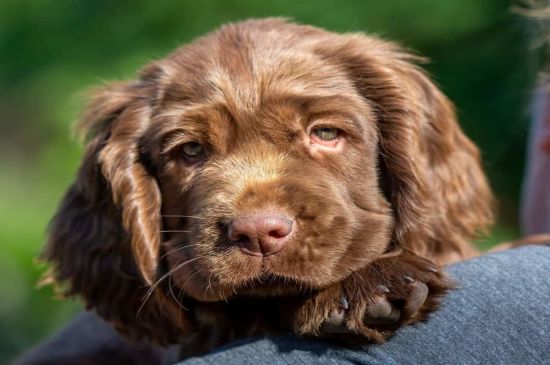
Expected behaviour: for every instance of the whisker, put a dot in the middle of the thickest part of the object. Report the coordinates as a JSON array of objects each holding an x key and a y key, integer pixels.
[
  {"x": 174, "y": 231},
  {"x": 181, "y": 292},
  {"x": 209, "y": 286},
  {"x": 156, "y": 284},
  {"x": 177, "y": 249},
  {"x": 190, "y": 277},
  {"x": 176, "y": 268},
  {"x": 173, "y": 295}
]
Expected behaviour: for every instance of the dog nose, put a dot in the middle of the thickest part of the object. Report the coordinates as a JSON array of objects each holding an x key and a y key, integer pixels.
[{"x": 260, "y": 234}]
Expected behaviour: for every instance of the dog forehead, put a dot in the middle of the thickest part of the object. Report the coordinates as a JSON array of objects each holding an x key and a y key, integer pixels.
[{"x": 243, "y": 68}]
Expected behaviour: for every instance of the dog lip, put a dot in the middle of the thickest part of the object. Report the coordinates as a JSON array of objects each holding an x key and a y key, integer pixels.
[
  {"x": 257, "y": 254},
  {"x": 248, "y": 252}
]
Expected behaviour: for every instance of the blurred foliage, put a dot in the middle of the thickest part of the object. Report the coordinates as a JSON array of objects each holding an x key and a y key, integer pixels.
[{"x": 51, "y": 51}]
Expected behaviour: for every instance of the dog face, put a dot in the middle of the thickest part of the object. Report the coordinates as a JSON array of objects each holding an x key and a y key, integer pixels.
[
  {"x": 268, "y": 174},
  {"x": 263, "y": 159}
]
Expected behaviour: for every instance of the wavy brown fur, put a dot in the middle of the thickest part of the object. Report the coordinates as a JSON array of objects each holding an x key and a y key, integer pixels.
[{"x": 410, "y": 181}]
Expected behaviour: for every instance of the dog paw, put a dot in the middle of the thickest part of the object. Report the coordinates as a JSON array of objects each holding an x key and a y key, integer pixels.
[{"x": 375, "y": 301}]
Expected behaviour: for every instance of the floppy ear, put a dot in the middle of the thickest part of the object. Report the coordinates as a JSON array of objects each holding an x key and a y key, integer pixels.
[
  {"x": 104, "y": 239},
  {"x": 133, "y": 189},
  {"x": 430, "y": 171}
]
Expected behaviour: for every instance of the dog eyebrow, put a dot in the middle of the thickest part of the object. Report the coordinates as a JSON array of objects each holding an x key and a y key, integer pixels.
[
  {"x": 336, "y": 119},
  {"x": 325, "y": 113},
  {"x": 342, "y": 110},
  {"x": 169, "y": 129}
]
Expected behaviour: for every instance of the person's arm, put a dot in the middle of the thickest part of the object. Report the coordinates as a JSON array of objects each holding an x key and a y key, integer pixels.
[{"x": 535, "y": 214}]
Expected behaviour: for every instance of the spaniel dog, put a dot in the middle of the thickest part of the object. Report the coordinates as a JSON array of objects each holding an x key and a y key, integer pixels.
[{"x": 269, "y": 177}]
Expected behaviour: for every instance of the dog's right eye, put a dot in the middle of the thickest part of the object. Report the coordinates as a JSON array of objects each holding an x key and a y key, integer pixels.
[
  {"x": 326, "y": 136},
  {"x": 192, "y": 151}
]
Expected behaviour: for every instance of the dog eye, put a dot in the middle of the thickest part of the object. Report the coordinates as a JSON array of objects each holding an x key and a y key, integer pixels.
[
  {"x": 327, "y": 134},
  {"x": 192, "y": 150}
]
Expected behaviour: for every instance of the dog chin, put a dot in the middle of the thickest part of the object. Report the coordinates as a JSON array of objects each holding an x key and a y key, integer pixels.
[{"x": 263, "y": 286}]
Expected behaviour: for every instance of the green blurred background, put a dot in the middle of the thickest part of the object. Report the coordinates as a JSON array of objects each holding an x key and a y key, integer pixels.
[{"x": 52, "y": 51}]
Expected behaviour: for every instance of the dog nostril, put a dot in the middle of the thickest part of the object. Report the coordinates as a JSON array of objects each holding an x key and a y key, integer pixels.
[
  {"x": 242, "y": 238},
  {"x": 277, "y": 234}
]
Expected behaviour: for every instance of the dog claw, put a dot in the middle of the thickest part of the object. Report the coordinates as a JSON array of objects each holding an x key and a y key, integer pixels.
[
  {"x": 418, "y": 296},
  {"x": 382, "y": 312},
  {"x": 335, "y": 324},
  {"x": 336, "y": 317},
  {"x": 344, "y": 303}
]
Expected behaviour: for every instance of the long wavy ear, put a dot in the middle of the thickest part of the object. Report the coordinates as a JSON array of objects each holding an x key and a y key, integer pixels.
[
  {"x": 133, "y": 188},
  {"x": 431, "y": 172},
  {"x": 104, "y": 239}
]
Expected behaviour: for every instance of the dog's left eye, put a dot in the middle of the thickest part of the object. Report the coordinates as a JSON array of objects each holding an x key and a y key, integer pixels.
[
  {"x": 326, "y": 137},
  {"x": 192, "y": 150},
  {"x": 326, "y": 134}
]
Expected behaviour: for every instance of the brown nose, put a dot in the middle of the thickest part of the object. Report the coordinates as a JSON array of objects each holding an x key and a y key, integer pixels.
[{"x": 260, "y": 234}]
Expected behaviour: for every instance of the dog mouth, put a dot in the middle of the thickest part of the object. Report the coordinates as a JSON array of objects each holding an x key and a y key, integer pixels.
[
  {"x": 270, "y": 285},
  {"x": 265, "y": 286},
  {"x": 261, "y": 280}
]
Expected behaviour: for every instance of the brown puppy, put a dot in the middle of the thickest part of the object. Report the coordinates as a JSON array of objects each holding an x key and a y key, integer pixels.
[{"x": 269, "y": 176}]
